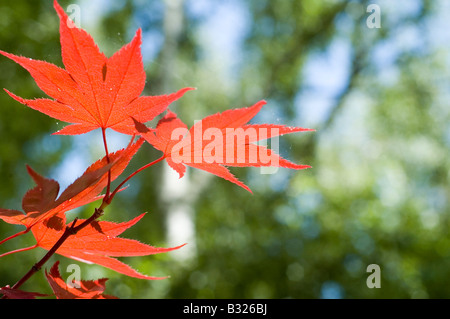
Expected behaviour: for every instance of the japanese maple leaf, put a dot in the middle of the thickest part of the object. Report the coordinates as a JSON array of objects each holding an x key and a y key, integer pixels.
[
  {"x": 96, "y": 243},
  {"x": 219, "y": 140},
  {"x": 83, "y": 289},
  {"x": 43, "y": 202},
  {"x": 19, "y": 294},
  {"x": 93, "y": 91}
]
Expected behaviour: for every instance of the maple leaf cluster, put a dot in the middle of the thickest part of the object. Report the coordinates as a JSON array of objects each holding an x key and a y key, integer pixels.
[{"x": 96, "y": 92}]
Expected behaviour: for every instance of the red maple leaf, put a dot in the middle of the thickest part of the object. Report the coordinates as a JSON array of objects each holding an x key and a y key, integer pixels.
[
  {"x": 19, "y": 294},
  {"x": 219, "y": 140},
  {"x": 96, "y": 243},
  {"x": 93, "y": 91},
  {"x": 83, "y": 289},
  {"x": 41, "y": 202}
]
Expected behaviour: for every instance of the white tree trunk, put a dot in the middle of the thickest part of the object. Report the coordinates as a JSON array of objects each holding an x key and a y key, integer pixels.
[{"x": 175, "y": 195}]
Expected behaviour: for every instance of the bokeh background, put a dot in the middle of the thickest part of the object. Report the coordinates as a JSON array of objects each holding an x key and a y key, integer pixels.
[{"x": 378, "y": 192}]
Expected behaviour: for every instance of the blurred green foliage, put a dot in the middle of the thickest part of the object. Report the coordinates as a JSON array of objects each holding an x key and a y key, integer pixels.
[{"x": 378, "y": 190}]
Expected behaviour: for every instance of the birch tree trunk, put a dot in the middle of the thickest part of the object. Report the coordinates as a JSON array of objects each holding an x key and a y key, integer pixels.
[{"x": 175, "y": 195}]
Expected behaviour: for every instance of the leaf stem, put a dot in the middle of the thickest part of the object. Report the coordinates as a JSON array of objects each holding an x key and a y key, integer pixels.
[
  {"x": 132, "y": 175},
  {"x": 108, "y": 186},
  {"x": 18, "y": 250},
  {"x": 15, "y": 235}
]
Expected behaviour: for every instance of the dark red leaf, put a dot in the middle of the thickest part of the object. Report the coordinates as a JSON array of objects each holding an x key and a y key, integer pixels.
[
  {"x": 19, "y": 294},
  {"x": 83, "y": 289}
]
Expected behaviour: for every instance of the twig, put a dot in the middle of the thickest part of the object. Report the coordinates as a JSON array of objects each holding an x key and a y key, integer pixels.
[{"x": 70, "y": 230}]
